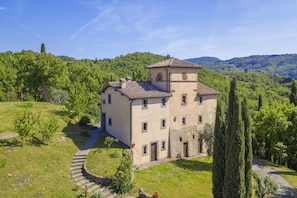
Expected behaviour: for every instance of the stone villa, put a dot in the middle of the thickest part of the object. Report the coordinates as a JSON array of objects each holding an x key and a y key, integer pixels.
[{"x": 160, "y": 118}]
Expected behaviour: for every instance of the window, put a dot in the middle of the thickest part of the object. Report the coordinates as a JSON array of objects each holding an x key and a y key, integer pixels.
[
  {"x": 109, "y": 98},
  {"x": 144, "y": 149},
  {"x": 163, "y": 124},
  {"x": 109, "y": 121},
  {"x": 200, "y": 99},
  {"x": 103, "y": 101},
  {"x": 184, "y": 99},
  {"x": 184, "y": 121},
  {"x": 200, "y": 119},
  {"x": 163, "y": 102},
  {"x": 184, "y": 76},
  {"x": 163, "y": 145},
  {"x": 144, "y": 104},
  {"x": 159, "y": 77},
  {"x": 144, "y": 127}
]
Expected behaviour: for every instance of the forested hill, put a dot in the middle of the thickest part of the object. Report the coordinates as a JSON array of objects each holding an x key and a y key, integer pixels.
[{"x": 283, "y": 65}]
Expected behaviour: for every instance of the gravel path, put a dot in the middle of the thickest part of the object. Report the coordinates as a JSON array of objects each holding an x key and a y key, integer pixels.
[{"x": 284, "y": 188}]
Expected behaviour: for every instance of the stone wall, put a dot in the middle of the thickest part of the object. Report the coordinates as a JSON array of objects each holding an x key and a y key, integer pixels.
[
  {"x": 179, "y": 137},
  {"x": 97, "y": 179}
]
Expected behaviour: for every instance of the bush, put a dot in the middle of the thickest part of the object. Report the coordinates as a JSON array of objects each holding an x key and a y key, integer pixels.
[{"x": 84, "y": 121}]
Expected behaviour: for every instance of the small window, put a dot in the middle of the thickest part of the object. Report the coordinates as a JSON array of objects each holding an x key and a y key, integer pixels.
[
  {"x": 200, "y": 99},
  {"x": 109, "y": 98},
  {"x": 103, "y": 101},
  {"x": 163, "y": 146},
  {"x": 163, "y": 102},
  {"x": 184, "y": 76},
  {"x": 159, "y": 77},
  {"x": 184, "y": 120},
  {"x": 144, "y": 104},
  {"x": 163, "y": 124},
  {"x": 200, "y": 119},
  {"x": 109, "y": 121},
  {"x": 184, "y": 99},
  {"x": 144, "y": 149},
  {"x": 144, "y": 127}
]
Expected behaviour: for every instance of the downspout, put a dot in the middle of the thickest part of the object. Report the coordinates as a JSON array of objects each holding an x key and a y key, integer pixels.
[
  {"x": 131, "y": 152},
  {"x": 167, "y": 79}
]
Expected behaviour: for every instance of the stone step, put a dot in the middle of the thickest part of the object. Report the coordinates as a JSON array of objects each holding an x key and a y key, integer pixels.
[
  {"x": 82, "y": 182},
  {"x": 79, "y": 178},
  {"x": 75, "y": 175},
  {"x": 74, "y": 164},
  {"x": 74, "y": 171},
  {"x": 78, "y": 160},
  {"x": 79, "y": 157}
]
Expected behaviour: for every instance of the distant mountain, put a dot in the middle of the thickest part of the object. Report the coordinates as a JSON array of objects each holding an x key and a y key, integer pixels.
[
  {"x": 203, "y": 60},
  {"x": 283, "y": 65}
]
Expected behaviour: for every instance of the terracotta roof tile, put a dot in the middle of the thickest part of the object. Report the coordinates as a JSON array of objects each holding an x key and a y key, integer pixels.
[
  {"x": 174, "y": 62},
  {"x": 136, "y": 90},
  {"x": 205, "y": 90}
]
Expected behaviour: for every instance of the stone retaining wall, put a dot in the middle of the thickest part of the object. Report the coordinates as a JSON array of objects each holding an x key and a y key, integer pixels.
[{"x": 97, "y": 179}]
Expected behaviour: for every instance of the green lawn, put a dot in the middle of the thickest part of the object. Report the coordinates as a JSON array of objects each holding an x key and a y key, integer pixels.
[{"x": 38, "y": 169}]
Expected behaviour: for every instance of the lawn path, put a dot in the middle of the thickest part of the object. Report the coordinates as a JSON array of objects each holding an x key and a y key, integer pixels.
[{"x": 284, "y": 188}]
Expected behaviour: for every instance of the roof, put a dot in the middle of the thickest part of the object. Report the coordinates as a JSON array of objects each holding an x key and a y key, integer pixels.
[
  {"x": 174, "y": 62},
  {"x": 205, "y": 90},
  {"x": 137, "y": 90}
]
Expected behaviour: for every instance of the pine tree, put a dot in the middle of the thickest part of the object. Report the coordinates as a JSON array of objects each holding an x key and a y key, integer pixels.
[
  {"x": 234, "y": 152},
  {"x": 293, "y": 95},
  {"x": 259, "y": 102},
  {"x": 248, "y": 149},
  {"x": 42, "y": 48},
  {"x": 218, "y": 165}
]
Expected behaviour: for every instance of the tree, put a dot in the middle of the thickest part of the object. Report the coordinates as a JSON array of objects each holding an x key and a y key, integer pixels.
[
  {"x": 123, "y": 176},
  {"x": 281, "y": 153},
  {"x": 248, "y": 149},
  {"x": 48, "y": 129},
  {"x": 259, "y": 102},
  {"x": 265, "y": 187},
  {"x": 293, "y": 95},
  {"x": 218, "y": 165},
  {"x": 109, "y": 140},
  {"x": 234, "y": 170},
  {"x": 42, "y": 48},
  {"x": 208, "y": 136}
]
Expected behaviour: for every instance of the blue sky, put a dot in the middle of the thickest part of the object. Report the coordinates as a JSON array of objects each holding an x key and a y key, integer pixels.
[{"x": 181, "y": 28}]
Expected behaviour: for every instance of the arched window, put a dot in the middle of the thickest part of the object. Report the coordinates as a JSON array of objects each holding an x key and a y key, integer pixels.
[{"x": 159, "y": 77}]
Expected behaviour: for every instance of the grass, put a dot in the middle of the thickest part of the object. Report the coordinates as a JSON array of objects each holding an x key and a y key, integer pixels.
[
  {"x": 100, "y": 153},
  {"x": 38, "y": 170}
]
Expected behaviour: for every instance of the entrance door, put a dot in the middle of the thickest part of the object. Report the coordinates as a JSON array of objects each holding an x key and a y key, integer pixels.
[
  {"x": 103, "y": 121},
  {"x": 186, "y": 154},
  {"x": 200, "y": 145},
  {"x": 154, "y": 152}
]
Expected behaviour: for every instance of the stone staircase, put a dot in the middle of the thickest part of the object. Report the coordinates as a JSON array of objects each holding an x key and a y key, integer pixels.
[{"x": 77, "y": 173}]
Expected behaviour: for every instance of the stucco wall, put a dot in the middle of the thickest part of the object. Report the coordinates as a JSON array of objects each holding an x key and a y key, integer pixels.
[
  {"x": 119, "y": 112},
  {"x": 152, "y": 115}
]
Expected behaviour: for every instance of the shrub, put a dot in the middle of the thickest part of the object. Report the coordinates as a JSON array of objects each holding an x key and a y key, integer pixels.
[{"x": 84, "y": 121}]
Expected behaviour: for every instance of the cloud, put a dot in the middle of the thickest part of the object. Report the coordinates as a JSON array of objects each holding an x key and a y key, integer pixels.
[{"x": 2, "y": 8}]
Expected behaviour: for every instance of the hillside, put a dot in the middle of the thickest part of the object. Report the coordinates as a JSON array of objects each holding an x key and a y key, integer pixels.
[{"x": 283, "y": 65}]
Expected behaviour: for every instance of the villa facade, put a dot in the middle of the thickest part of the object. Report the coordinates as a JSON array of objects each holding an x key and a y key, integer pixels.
[{"x": 160, "y": 118}]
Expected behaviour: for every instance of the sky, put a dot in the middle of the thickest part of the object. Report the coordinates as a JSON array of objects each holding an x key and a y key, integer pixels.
[{"x": 179, "y": 28}]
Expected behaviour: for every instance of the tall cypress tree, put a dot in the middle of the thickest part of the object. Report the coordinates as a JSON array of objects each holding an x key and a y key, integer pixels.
[
  {"x": 248, "y": 149},
  {"x": 293, "y": 95},
  {"x": 234, "y": 152},
  {"x": 259, "y": 102},
  {"x": 42, "y": 50},
  {"x": 218, "y": 165}
]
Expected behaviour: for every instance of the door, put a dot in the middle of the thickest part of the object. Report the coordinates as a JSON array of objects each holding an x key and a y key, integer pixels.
[
  {"x": 103, "y": 121},
  {"x": 200, "y": 145},
  {"x": 186, "y": 154},
  {"x": 154, "y": 152}
]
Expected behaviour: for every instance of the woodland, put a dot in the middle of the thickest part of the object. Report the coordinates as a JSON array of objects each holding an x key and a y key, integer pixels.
[{"x": 266, "y": 82}]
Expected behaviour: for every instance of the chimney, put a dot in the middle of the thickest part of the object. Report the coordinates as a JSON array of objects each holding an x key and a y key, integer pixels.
[
  {"x": 123, "y": 83},
  {"x": 128, "y": 78}
]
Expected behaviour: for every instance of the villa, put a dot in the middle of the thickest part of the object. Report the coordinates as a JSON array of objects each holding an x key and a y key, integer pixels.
[{"x": 160, "y": 118}]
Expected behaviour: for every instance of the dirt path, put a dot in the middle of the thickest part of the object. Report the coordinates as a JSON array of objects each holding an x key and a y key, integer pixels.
[{"x": 284, "y": 188}]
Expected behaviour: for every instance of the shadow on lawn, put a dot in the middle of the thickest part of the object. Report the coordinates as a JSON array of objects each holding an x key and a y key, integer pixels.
[{"x": 194, "y": 165}]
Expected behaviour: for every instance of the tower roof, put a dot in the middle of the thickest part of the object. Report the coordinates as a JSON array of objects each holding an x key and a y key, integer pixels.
[{"x": 174, "y": 62}]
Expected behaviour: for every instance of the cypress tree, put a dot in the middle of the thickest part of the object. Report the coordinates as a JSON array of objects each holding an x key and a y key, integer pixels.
[
  {"x": 259, "y": 102},
  {"x": 234, "y": 152},
  {"x": 293, "y": 95},
  {"x": 42, "y": 48},
  {"x": 248, "y": 149},
  {"x": 218, "y": 165}
]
